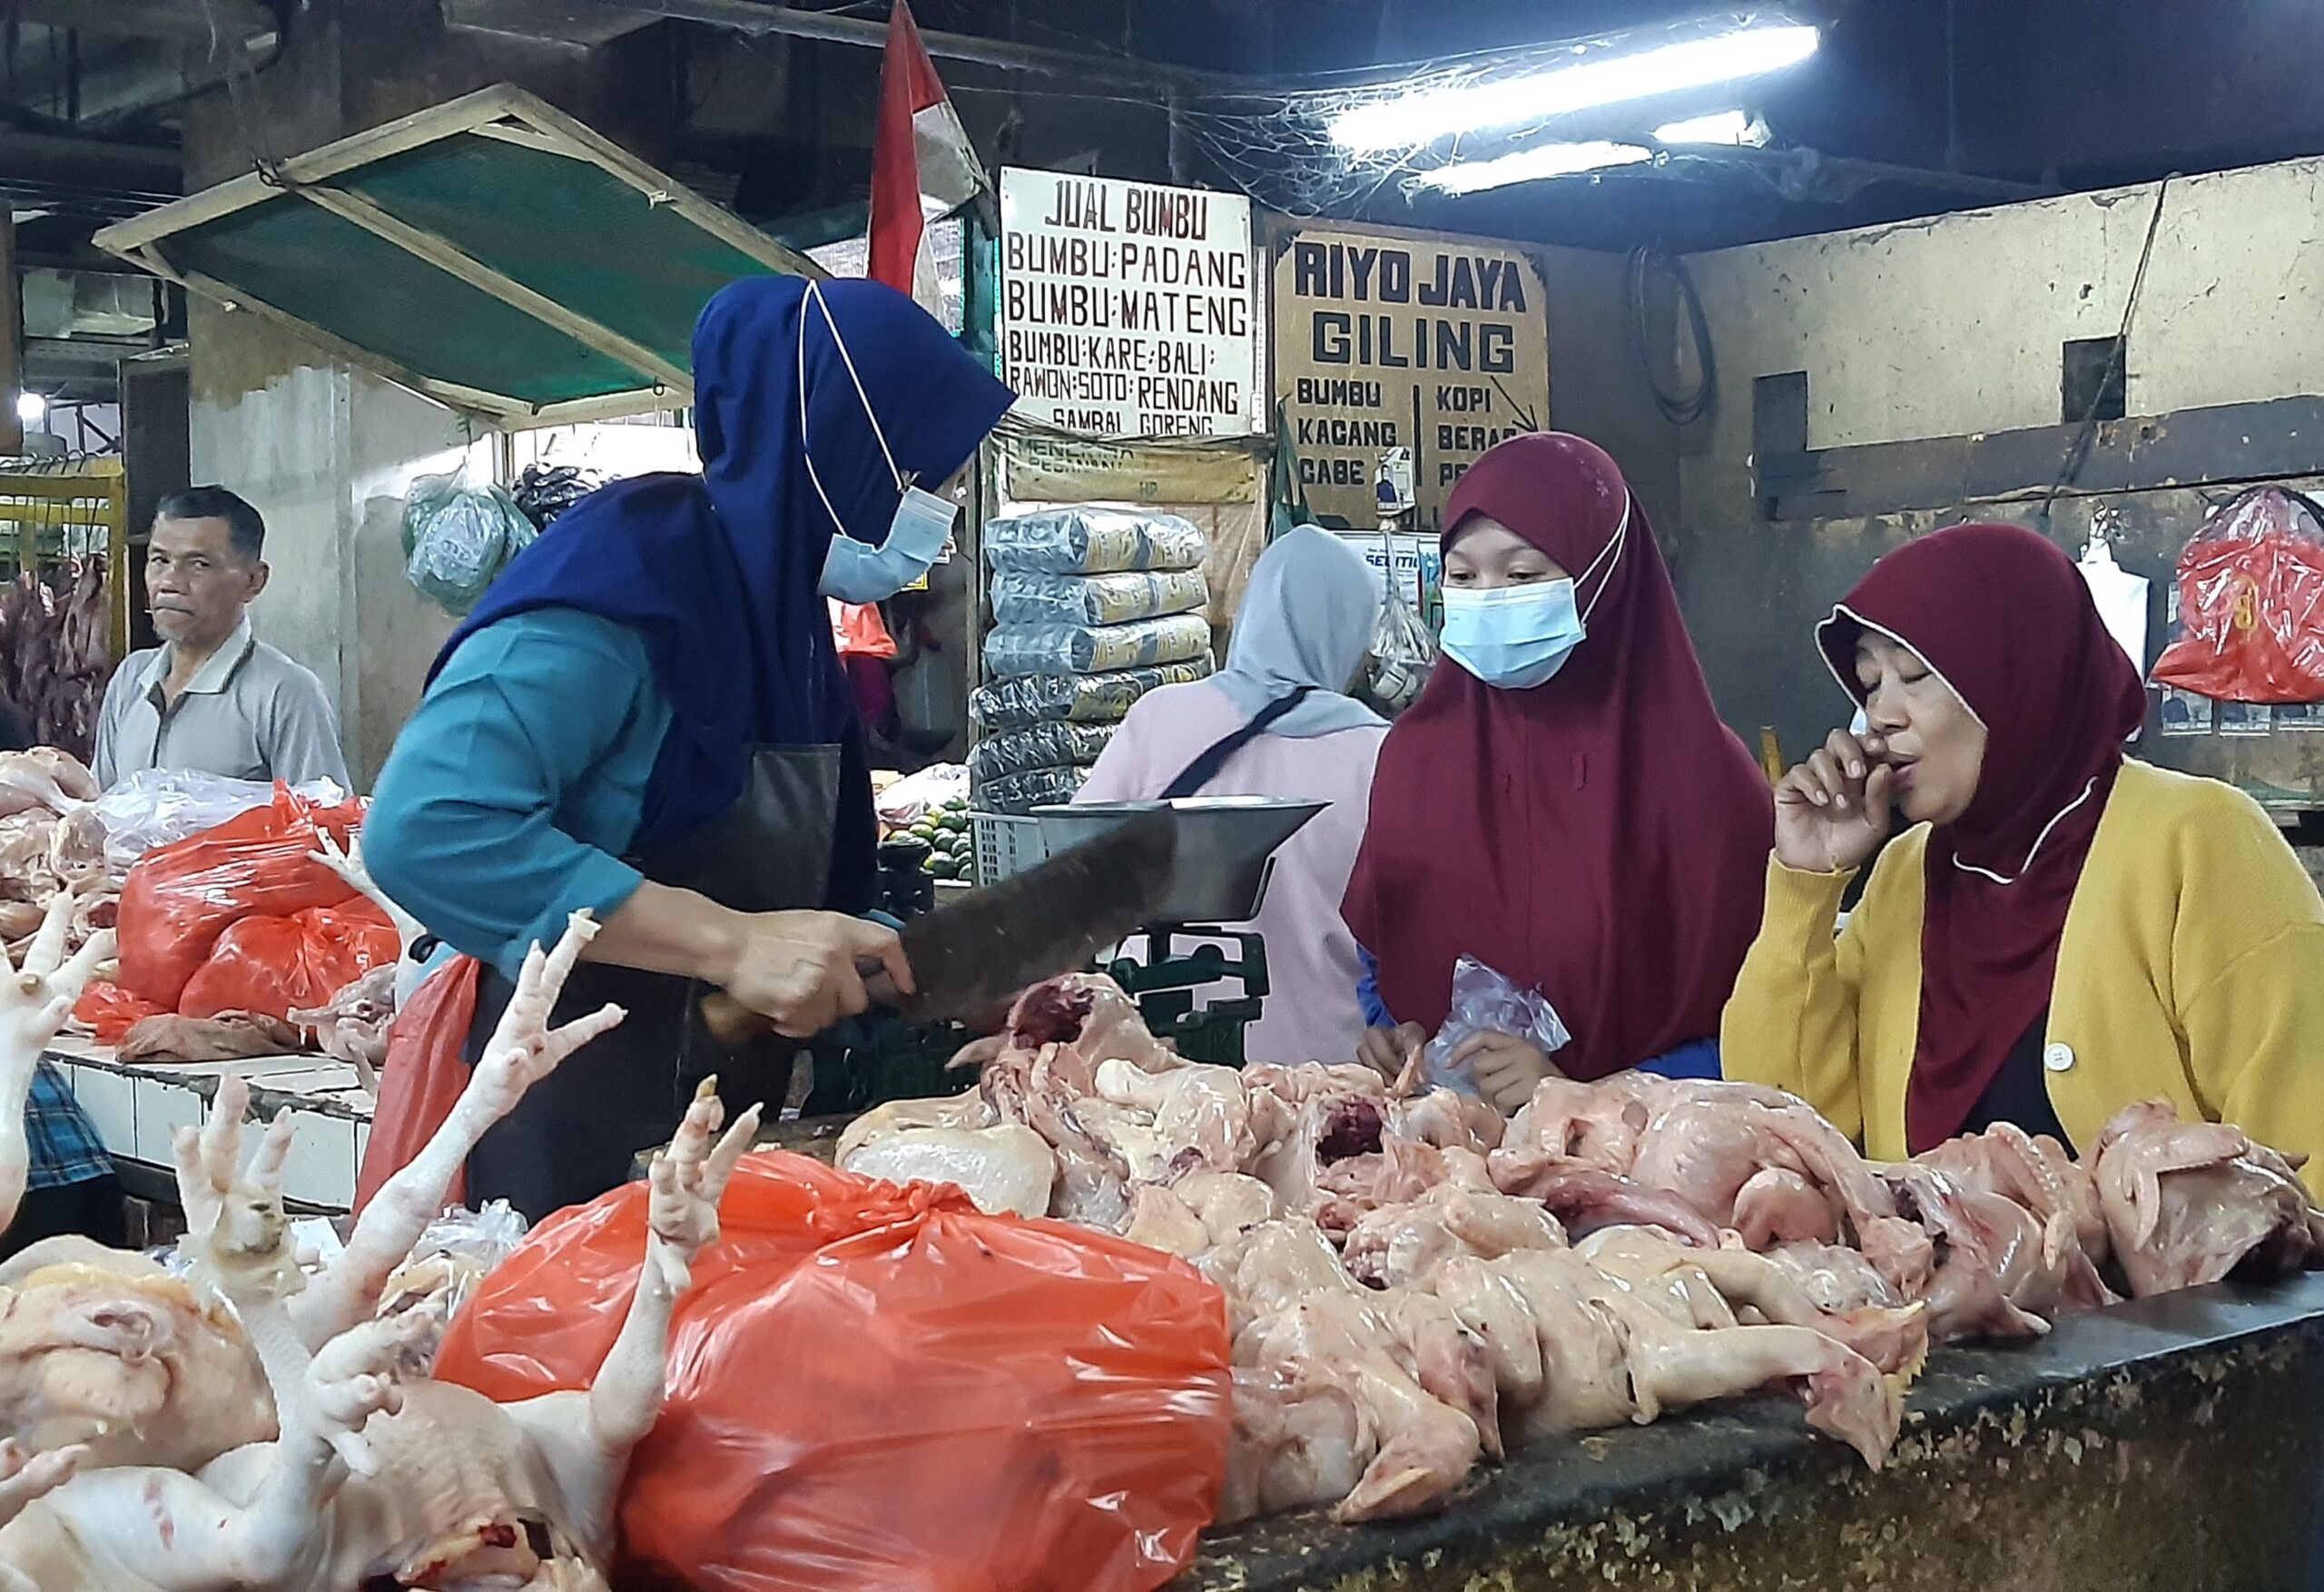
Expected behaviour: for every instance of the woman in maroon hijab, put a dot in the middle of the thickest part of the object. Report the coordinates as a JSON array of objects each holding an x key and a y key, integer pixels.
[
  {"x": 2065, "y": 931},
  {"x": 1562, "y": 804}
]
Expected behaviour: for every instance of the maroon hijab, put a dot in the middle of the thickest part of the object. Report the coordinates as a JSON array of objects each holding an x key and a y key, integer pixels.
[
  {"x": 1603, "y": 835},
  {"x": 2006, "y": 621}
]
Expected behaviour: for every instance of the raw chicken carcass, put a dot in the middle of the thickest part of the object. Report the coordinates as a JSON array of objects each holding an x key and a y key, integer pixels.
[
  {"x": 1336, "y": 1346},
  {"x": 1200, "y": 1114},
  {"x": 2033, "y": 1170},
  {"x": 101, "y": 1347},
  {"x": 2189, "y": 1203},
  {"x": 44, "y": 780},
  {"x": 381, "y": 1482},
  {"x": 352, "y": 1026},
  {"x": 1403, "y": 1246},
  {"x": 898, "y": 1116},
  {"x": 1200, "y": 1211},
  {"x": 1008, "y": 1168}
]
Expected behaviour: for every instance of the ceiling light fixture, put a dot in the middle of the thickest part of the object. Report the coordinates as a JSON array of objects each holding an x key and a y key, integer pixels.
[
  {"x": 1407, "y": 120},
  {"x": 31, "y": 407},
  {"x": 1722, "y": 127},
  {"x": 1531, "y": 165}
]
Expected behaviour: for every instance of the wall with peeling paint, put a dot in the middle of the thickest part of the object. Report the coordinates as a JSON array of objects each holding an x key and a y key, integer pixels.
[{"x": 1954, "y": 326}]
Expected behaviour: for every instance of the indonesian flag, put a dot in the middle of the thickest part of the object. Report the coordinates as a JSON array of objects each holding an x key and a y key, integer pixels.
[{"x": 921, "y": 164}]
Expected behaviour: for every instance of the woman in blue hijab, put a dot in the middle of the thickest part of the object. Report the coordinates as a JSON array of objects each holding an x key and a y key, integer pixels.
[{"x": 646, "y": 717}]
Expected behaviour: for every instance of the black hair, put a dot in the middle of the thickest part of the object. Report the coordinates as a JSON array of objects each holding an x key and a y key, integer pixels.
[{"x": 245, "y": 529}]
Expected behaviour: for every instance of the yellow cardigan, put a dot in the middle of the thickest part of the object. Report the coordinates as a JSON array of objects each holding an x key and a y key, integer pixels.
[{"x": 2191, "y": 968}]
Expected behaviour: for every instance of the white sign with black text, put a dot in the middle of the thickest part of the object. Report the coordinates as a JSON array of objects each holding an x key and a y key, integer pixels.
[{"x": 1127, "y": 309}]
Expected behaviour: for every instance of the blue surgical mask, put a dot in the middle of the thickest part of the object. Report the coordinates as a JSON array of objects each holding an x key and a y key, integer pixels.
[
  {"x": 854, "y": 571},
  {"x": 1513, "y": 637},
  {"x": 1517, "y": 637}
]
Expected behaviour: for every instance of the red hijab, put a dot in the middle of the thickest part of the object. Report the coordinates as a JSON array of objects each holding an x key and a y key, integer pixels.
[
  {"x": 1603, "y": 836},
  {"x": 2005, "y": 620}
]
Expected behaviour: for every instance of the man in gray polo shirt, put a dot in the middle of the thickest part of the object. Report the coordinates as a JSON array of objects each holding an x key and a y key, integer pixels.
[{"x": 213, "y": 696}]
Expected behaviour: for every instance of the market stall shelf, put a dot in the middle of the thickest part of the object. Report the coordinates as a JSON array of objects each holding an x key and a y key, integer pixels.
[
  {"x": 135, "y": 1108},
  {"x": 2174, "y": 1442}
]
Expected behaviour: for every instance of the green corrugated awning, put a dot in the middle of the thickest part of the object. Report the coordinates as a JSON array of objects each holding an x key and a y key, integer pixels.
[{"x": 492, "y": 254}]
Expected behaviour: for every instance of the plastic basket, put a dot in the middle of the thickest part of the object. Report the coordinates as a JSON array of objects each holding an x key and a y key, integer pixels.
[{"x": 1005, "y": 845}]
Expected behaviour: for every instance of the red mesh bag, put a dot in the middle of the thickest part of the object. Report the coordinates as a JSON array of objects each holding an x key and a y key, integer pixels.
[
  {"x": 180, "y": 898},
  {"x": 874, "y": 1388},
  {"x": 2251, "y": 604},
  {"x": 277, "y": 964}
]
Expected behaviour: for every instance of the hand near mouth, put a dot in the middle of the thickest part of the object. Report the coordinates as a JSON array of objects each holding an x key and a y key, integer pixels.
[{"x": 1833, "y": 810}]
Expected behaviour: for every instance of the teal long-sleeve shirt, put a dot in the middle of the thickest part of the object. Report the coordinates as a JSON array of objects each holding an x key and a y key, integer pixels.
[{"x": 519, "y": 783}]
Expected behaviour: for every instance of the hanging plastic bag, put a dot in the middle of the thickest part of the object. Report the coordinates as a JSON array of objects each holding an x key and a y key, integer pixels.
[
  {"x": 178, "y": 900},
  {"x": 277, "y": 964},
  {"x": 421, "y": 1080},
  {"x": 2251, "y": 604},
  {"x": 1486, "y": 1002},
  {"x": 874, "y": 1387},
  {"x": 859, "y": 631},
  {"x": 2120, "y": 596},
  {"x": 458, "y": 539}
]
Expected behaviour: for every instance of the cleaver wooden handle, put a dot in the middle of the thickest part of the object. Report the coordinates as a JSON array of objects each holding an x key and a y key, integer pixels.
[{"x": 731, "y": 1023}]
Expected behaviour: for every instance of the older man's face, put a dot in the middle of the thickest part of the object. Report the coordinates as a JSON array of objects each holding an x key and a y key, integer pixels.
[{"x": 196, "y": 584}]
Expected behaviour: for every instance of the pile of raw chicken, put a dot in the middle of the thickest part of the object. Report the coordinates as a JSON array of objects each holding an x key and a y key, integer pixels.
[
  {"x": 1413, "y": 1285},
  {"x": 266, "y": 1424},
  {"x": 50, "y": 841}
]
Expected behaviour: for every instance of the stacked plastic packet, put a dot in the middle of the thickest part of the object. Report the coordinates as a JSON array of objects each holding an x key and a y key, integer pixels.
[{"x": 1093, "y": 607}]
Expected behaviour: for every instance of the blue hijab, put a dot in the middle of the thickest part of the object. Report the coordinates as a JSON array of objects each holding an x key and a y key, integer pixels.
[{"x": 719, "y": 572}]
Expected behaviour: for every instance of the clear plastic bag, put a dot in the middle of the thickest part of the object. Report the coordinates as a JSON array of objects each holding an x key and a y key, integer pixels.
[
  {"x": 1014, "y": 795},
  {"x": 458, "y": 539},
  {"x": 1096, "y": 599},
  {"x": 1092, "y": 538},
  {"x": 873, "y": 1387},
  {"x": 457, "y": 1251},
  {"x": 159, "y": 807},
  {"x": 1079, "y": 699},
  {"x": 1485, "y": 1002},
  {"x": 2251, "y": 604},
  {"x": 1096, "y": 649},
  {"x": 1044, "y": 746},
  {"x": 1403, "y": 650},
  {"x": 915, "y": 796}
]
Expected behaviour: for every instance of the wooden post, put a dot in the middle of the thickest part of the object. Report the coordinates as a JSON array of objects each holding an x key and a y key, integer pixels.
[{"x": 12, "y": 340}]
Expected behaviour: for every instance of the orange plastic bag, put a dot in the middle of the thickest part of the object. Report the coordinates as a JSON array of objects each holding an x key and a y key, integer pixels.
[
  {"x": 874, "y": 1388},
  {"x": 112, "y": 1011},
  {"x": 422, "y": 1077},
  {"x": 2251, "y": 604},
  {"x": 180, "y": 898},
  {"x": 277, "y": 964}
]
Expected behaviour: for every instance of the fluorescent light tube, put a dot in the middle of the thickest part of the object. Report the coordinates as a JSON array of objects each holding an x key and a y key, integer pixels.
[
  {"x": 1721, "y": 127},
  {"x": 1407, "y": 120},
  {"x": 1530, "y": 165}
]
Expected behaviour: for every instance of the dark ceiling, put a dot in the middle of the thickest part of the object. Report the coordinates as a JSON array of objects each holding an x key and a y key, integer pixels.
[{"x": 1912, "y": 108}]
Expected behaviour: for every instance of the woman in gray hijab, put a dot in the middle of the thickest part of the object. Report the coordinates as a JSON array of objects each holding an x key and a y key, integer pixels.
[{"x": 1277, "y": 722}]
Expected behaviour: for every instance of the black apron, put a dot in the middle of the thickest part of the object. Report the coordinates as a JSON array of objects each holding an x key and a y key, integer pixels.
[{"x": 577, "y": 1132}]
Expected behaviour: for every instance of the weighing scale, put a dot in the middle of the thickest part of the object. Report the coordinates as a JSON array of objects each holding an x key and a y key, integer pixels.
[{"x": 1226, "y": 857}]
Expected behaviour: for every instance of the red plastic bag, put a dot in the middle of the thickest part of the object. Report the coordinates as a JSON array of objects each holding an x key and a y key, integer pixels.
[
  {"x": 112, "y": 1011},
  {"x": 874, "y": 1388},
  {"x": 422, "y": 1077},
  {"x": 859, "y": 632},
  {"x": 2251, "y": 604},
  {"x": 180, "y": 898},
  {"x": 277, "y": 965}
]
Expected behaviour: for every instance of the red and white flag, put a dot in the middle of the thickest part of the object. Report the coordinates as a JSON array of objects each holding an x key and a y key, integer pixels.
[{"x": 922, "y": 166}]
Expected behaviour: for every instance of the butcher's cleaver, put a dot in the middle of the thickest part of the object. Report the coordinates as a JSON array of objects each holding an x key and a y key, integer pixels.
[{"x": 970, "y": 957}]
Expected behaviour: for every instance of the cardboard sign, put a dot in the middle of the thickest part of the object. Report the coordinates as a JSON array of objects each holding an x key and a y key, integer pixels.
[
  {"x": 1440, "y": 345},
  {"x": 1127, "y": 309}
]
